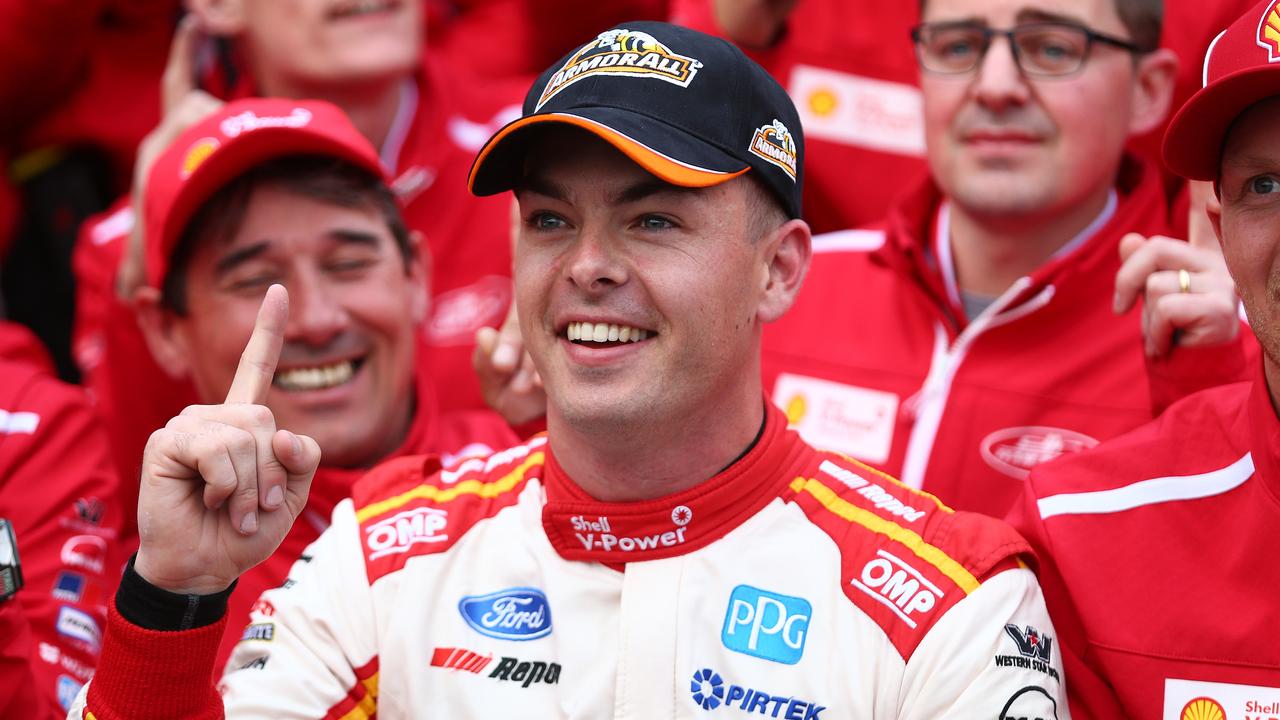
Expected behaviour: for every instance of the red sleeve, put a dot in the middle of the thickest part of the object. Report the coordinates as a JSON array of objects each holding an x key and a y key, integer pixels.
[
  {"x": 18, "y": 696},
  {"x": 1189, "y": 370},
  {"x": 1088, "y": 693},
  {"x": 59, "y": 490},
  {"x": 154, "y": 674}
]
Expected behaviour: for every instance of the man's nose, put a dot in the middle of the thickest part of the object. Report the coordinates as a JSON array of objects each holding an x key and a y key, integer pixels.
[
  {"x": 595, "y": 264},
  {"x": 316, "y": 314},
  {"x": 998, "y": 82}
]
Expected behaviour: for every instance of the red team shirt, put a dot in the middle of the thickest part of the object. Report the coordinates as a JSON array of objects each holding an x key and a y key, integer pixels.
[
  {"x": 445, "y": 120},
  {"x": 1158, "y": 562},
  {"x": 58, "y": 489},
  {"x": 877, "y": 360}
]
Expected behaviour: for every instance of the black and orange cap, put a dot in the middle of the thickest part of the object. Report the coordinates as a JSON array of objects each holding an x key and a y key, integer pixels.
[{"x": 689, "y": 108}]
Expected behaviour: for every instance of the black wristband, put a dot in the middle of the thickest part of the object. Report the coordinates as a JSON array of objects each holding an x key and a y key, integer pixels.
[{"x": 153, "y": 608}]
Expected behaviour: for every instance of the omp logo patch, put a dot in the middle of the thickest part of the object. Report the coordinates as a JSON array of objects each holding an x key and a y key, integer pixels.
[
  {"x": 1269, "y": 31},
  {"x": 898, "y": 586},
  {"x": 1014, "y": 451},
  {"x": 400, "y": 532},
  {"x": 623, "y": 53},
  {"x": 766, "y": 625},
  {"x": 199, "y": 151},
  {"x": 774, "y": 144}
]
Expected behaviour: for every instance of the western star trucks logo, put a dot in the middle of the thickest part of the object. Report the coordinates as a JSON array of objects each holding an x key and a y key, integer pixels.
[
  {"x": 1035, "y": 651},
  {"x": 1269, "y": 31},
  {"x": 774, "y": 144},
  {"x": 623, "y": 53},
  {"x": 520, "y": 613},
  {"x": 597, "y": 533}
]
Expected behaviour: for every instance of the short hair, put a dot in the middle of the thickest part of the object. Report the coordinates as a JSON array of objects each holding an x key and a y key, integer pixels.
[
  {"x": 319, "y": 177},
  {"x": 1143, "y": 19},
  {"x": 764, "y": 206}
]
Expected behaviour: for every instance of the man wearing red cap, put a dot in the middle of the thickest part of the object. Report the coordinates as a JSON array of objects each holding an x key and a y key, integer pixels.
[
  {"x": 668, "y": 547},
  {"x": 989, "y": 323},
  {"x": 281, "y": 191},
  {"x": 1158, "y": 548}
]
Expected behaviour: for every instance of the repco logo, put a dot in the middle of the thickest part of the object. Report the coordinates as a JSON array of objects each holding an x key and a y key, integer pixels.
[
  {"x": 898, "y": 586},
  {"x": 400, "y": 532}
]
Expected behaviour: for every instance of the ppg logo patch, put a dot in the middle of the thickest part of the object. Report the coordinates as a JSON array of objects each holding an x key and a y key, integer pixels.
[
  {"x": 766, "y": 625},
  {"x": 513, "y": 614}
]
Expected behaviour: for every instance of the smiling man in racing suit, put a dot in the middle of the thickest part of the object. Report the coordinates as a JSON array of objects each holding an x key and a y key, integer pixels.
[{"x": 669, "y": 548}]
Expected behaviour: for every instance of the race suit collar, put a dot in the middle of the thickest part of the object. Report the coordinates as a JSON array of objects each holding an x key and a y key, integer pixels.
[
  {"x": 1265, "y": 436},
  {"x": 581, "y": 528}
]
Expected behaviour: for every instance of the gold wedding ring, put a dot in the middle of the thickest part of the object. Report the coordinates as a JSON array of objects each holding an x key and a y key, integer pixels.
[{"x": 1184, "y": 281}]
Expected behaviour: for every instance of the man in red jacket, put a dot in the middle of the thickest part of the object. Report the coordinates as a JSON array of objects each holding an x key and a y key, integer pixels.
[
  {"x": 1158, "y": 548},
  {"x": 973, "y": 334},
  {"x": 58, "y": 490},
  {"x": 271, "y": 191},
  {"x": 421, "y": 111}
]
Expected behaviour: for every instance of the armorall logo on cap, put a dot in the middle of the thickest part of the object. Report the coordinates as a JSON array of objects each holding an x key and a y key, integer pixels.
[
  {"x": 623, "y": 53},
  {"x": 774, "y": 144},
  {"x": 1269, "y": 31}
]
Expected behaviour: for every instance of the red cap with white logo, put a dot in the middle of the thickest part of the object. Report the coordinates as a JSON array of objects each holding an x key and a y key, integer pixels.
[
  {"x": 1241, "y": 68},
  {"x": 228, "y": 143}
]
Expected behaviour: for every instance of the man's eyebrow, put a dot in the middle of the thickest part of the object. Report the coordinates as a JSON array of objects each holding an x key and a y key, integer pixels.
[
  {"x": 648, "y": 188},
  {"x": 542, "y": 186},
  {"x": 1253, "y": 162},
  {"x": 1033, "y": 15},
  {"x": 354, "y": 237},
  {"x": 239, "y": 256}
]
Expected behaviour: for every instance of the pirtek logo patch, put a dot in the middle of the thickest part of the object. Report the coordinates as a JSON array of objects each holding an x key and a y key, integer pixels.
[
  {"x": 1269, "y": 31},
  {"x": 509, "y": 669},
  {"x": 622, "y": 53}
]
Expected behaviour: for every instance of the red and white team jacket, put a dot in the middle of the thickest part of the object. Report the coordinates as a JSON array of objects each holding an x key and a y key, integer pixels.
[
  {"x": 850, "y": 69},
  {"x": 58, "y": 488},
  {"x": 1159, "y": 562},
  {"x": 794, "y": 584},
  {"x": 876, "y": 359},
  {"x": 444, "y": 121}
]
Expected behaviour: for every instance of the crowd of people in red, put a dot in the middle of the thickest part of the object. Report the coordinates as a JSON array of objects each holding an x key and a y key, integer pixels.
[{"x": 1023, "y": 300}]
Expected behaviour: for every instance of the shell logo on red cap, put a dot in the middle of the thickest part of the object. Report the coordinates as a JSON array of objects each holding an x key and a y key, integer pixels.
[
  {"x": 199, "y": 151},
  {"x": 773, "y": 143},
  {"x": 623, "y": 53},
  {"x": 1269, "y": 31}
]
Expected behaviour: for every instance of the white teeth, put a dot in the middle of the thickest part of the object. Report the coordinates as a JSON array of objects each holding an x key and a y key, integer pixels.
[
  {"x": 316, "y": 378},
  {"x": 604, "y": 332}
]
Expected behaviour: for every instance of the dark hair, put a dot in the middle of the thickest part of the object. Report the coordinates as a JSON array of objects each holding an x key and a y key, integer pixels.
[
  {"x": 319, "y": 177},
  {"x": 1144, "y": 19}
]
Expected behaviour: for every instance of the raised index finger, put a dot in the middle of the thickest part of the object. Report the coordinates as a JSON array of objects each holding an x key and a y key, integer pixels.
[{"x": 262, "y": 352}]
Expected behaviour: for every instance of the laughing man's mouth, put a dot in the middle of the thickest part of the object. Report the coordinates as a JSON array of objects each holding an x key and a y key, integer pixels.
[
  {"x": 604, "y": 334},
  {"x": 317, "y": 378}
]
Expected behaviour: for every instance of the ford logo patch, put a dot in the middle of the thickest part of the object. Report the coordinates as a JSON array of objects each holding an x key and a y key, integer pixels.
[{"x": 520, "y": 613}]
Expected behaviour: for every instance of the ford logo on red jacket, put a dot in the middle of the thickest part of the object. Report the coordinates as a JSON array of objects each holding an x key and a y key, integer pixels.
[{"x": 520, "y": 613}]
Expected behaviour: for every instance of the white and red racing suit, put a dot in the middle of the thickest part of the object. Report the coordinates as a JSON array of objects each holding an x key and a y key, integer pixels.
[{"x": 794, "y": 584}]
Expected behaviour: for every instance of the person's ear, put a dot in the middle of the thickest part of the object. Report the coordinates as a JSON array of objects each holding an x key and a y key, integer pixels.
[
  {"x": 787, "y": 253},
  {"x": 1156, "y": 74},
  {"x": 224, "y": 18},
  {"x": 418, "y": 267},
  {"x": 169, "y": 346}
]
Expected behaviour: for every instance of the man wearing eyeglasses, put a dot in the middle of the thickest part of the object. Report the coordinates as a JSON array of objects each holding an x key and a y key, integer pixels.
[{"x": 988, "y": 324}]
